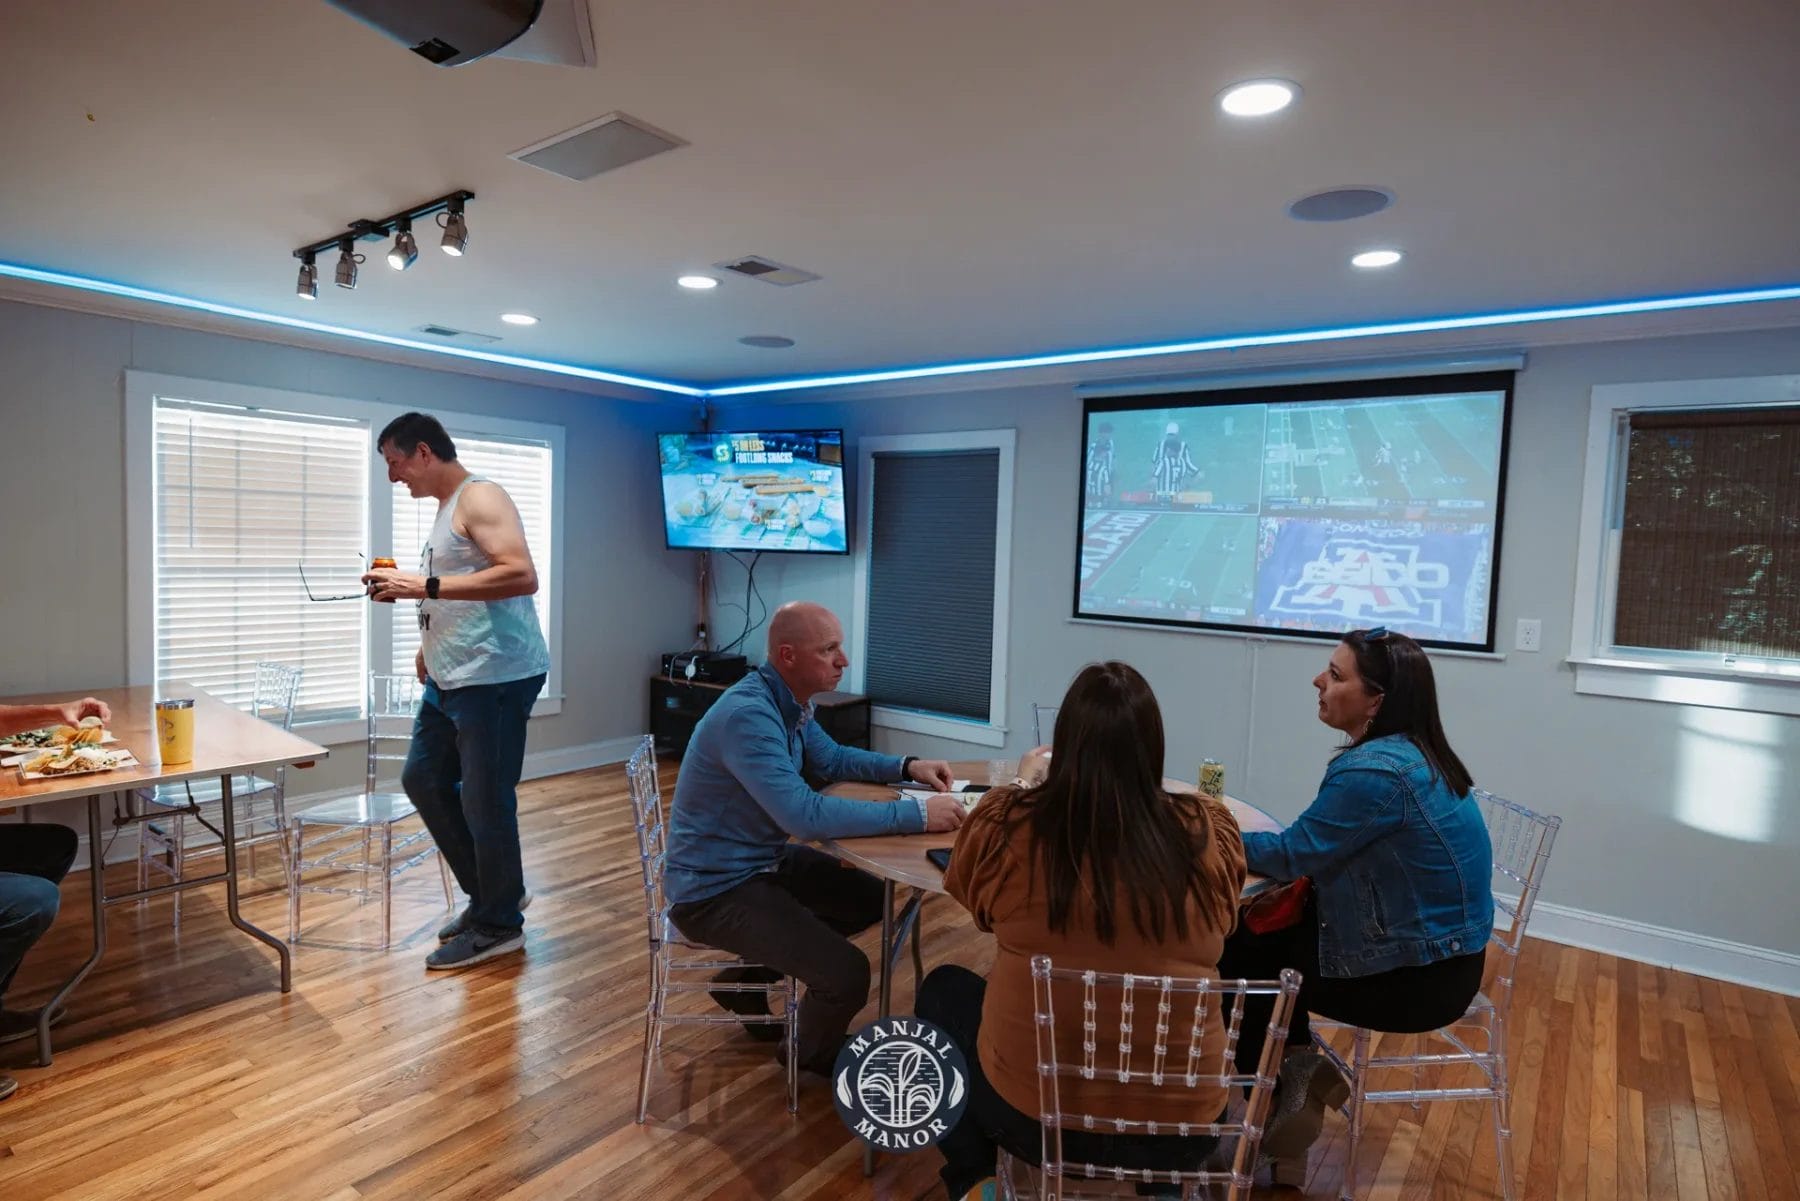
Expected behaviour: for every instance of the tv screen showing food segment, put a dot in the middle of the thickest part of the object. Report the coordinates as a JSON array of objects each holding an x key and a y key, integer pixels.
[
  {"x": 756, "y": 491},
  {"x": 1307, "y": 510}
]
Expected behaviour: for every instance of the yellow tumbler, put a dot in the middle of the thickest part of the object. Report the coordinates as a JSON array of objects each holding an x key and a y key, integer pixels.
[{"x": 175, "y": 730}]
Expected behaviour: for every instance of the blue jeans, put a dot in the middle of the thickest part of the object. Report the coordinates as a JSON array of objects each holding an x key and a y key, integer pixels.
[
  {"x": 462, "y": 774},
  {"x": 32, "y": 859}
]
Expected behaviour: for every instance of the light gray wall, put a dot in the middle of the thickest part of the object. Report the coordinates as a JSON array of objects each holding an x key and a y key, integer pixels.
[
  {"x": 62, "y": 504},
  {"x": 1642, "y": 786}
]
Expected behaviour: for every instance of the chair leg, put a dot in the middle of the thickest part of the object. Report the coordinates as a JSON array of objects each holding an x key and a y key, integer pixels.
[
  {"x": 652, "y": 1034},
  {"x": 444, "y": 875},
  {"x": 294, "y": 881},
  {"x": 1359, "y": 1065},
  {"x": 387, "y": 886},
  {"x": 791, "y": 1032},
  {"x": 177, "y": 858},
  {"x": 1502, "y": 1111},
  {"x": 362, "y": 894}
]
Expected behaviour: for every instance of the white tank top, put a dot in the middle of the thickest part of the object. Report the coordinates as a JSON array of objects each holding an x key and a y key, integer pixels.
[{"x": 474, "y": 642}]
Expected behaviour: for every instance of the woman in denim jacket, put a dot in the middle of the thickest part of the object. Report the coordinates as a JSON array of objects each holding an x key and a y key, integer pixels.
[{"x": 1394, "y": 934}]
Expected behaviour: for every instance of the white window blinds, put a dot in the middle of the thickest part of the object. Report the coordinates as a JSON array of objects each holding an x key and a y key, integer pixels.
[
  {"x": 242, "y": 498},
  {"x": 523, "y": 469}
]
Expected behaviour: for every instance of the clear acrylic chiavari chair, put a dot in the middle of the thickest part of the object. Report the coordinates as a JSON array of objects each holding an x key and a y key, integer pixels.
[{"x": 1177, "y": 1057}]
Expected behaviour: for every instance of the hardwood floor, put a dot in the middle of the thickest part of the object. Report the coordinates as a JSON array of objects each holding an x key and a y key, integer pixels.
[{"x": 183, "y": 1073}]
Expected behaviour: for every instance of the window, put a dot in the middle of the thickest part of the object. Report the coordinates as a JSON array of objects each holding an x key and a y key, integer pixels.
[
  {"x": 932, "y": 583},
  {"x": 523, "y": 469},
  {"x": 1689, "y": 586},
  {"x": 230, "y": 489},
  {"x": 241, "y": 498}
]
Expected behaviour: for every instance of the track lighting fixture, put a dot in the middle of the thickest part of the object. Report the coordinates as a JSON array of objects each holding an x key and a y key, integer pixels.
[
  {"x": 456, "y": 231},
  {"x": 406, "y": 251},
  {"x": 399, "y": 226},
  {"x": 346, "y": 268}
]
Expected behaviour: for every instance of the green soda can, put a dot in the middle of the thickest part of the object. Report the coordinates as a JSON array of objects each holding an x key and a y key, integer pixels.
[{"x": 1212, "y": 778}]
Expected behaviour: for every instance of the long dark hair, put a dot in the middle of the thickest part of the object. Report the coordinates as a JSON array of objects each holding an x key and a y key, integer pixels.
[
  {"x": 1396, "y": 667},
  {"x": 1101, "y": 811}
]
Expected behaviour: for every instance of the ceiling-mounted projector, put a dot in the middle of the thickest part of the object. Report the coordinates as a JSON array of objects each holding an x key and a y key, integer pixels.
[{"x": 447, "y": 32}]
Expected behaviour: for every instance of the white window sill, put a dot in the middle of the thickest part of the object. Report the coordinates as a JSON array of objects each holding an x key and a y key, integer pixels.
[
  {"x": 956, "y": 729},
  {"x": 1719, "y": 687},
  {"x": 356, "y": 730}
]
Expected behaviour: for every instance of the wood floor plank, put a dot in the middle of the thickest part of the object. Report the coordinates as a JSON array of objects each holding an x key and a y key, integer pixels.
[{"x": 182, "y": 1074}]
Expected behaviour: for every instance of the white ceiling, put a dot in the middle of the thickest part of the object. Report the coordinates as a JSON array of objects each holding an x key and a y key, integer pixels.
[{"x": 972, "y": 180}]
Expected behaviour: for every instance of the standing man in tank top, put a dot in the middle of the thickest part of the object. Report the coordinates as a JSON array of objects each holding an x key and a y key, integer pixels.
[{"x": 483, "y": 660}]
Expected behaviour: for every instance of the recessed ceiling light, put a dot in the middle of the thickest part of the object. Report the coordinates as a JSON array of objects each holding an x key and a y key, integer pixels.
[
  {"x": 1376, "y": 258},
  {"x": 1258, "y": 97},
  {"x": 518, "y": 318},
  {"x": 698, "y": 283}
]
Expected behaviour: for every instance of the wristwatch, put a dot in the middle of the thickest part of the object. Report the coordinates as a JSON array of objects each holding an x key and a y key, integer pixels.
[
  {"x": 906, "y": 766},
  {"x": 431, "y": 587}
]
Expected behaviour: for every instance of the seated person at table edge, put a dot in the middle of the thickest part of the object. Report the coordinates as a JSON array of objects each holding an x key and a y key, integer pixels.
[
  {"x": 1394, "y": 935},
  {"x": 33, "y": 860},
  {"x": 733, "y": 878},
  {"x": 1090, "y": 862}
]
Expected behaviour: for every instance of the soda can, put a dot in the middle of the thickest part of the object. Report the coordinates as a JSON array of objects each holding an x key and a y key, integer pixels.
[{"x": 1212, "y": 778}]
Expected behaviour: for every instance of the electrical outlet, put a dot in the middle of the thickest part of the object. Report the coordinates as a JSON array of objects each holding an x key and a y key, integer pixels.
[{"x": 1529, "y": 636}]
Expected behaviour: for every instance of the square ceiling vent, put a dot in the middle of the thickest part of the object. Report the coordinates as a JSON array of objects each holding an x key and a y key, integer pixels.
[
  {"x": 767, "y": 271},
  {"x": 450, "y": 334},
  {"x": 599, "y": 146}
]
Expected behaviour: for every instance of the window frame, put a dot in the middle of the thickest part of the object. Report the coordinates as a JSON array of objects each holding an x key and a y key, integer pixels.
[
  {"x": 1676, "y": 677},
  {"x": 142, "y": 389},
  {"x": 993, "y": 731}
]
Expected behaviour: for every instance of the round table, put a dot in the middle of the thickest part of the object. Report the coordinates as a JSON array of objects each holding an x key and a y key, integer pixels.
[{"x": 899, "y": 859}]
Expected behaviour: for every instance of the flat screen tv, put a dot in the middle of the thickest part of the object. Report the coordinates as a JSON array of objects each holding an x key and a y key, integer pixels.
[
  {"x": 1310, "y": 509},
  {"x": 768, "y": 490}
]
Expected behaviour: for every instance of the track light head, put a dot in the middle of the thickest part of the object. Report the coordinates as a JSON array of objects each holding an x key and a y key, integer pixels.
[
  {"x": 308, "y": 287},
  {"x": 406, "y": 251},
  {"x": 346, "y": 265},
  {"x": 456, "y": 231}
]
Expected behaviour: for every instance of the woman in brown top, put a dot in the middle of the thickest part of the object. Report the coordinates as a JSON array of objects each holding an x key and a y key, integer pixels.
[{"x": 1089, "y": 861}]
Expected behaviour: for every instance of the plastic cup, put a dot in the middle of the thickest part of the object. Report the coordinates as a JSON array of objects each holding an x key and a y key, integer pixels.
[
  {"x": 1000, "y": 771},
  {"x": 175, "y": 730}
]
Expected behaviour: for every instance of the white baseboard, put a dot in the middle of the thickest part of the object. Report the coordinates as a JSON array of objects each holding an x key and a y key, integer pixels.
[
  {"x": 538, "y": 765},
  {"x": 1698, "y": 954}
]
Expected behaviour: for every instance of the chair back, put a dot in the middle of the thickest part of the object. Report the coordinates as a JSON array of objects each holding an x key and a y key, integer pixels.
[
  {"x": 1522, "y": 841},
  {"x": 1040, "y": 715},
  {"x": 276, "y": 693},
  {"x": 652, "y": 831},
  {"x": 393, "y": 704},
  {"x": 1176, "y": 1059}
]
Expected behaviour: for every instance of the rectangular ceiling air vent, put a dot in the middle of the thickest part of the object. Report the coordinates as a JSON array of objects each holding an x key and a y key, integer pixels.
[
  {"x": 597, "y": 147},
  {"x": 455, "y": 335},
  {"x": 768, "y": 271}
]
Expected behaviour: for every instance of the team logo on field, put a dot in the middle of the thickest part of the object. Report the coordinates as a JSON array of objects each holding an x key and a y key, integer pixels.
[
  {"x": 901, "y": 1084},
  {"x": 1358, "y": 578}
]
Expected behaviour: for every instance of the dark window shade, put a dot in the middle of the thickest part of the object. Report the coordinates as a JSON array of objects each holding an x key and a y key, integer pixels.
[
  {"x": 1709, "y": 551},
  {"x": 931, "y": 581}
]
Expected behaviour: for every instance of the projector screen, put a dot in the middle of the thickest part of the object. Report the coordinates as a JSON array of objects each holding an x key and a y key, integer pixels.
[{"x": 1307, "y": 510}]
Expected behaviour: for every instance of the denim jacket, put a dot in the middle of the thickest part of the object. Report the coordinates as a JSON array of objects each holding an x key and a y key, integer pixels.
[
  {"x": 740, "y": 794},
  {"x": 1402, "y": 867}
]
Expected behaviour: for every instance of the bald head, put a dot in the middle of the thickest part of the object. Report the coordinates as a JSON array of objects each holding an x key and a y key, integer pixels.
[{"x": 806, "y": 648}]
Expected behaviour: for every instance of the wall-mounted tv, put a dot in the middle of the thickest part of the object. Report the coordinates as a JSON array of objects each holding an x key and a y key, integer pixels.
[
  {"x": 1310, "y": 509},
  {"x": 780, "y": 490}
]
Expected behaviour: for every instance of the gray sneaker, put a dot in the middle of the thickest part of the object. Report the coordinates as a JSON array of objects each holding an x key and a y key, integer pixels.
[
  {"x": 460, "y": 922},
  {"x": 472, "y": 946}
]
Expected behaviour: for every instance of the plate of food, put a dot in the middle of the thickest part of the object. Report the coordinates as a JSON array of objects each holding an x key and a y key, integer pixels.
[
  {"x": 57, "y": 762},
  {"x": 89, "y": 733}
]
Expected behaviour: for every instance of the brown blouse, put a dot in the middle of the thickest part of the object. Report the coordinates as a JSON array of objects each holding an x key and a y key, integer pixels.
[{"x": 991, "y": 876}]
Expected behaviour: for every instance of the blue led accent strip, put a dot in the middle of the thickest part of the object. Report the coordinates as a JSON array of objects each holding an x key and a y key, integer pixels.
[
  {"x": 1244, "y": 341},
  {"x": 107, "y": 288},
  {"x": 983, "y": 366}
]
